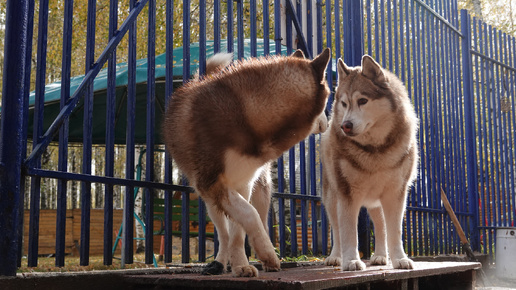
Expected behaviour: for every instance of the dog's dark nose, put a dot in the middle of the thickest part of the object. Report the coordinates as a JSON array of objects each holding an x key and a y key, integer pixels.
[{"x": 347, "y": 127}]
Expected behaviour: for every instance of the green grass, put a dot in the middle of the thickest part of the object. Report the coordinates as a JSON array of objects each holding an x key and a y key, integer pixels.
[{"x": 72, "y": 264}]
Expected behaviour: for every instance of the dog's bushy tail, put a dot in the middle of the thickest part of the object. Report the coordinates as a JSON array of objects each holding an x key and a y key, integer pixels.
[{"x": 218, "y": 62}]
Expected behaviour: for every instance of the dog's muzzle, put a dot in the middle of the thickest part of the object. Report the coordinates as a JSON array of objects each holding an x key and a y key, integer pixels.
[{"x": 321, "y": 124}]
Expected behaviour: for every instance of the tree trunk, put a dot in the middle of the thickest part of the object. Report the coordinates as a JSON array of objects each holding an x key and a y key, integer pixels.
[
  {"x": 138, "y": 206},
  {"x": 477, "y": 8},
  {"x": 73, "y": 188},
  {"x": 99, "y": 170}
]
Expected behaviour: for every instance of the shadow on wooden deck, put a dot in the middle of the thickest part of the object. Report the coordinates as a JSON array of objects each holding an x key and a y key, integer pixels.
[{"x": 427, "y": 275}]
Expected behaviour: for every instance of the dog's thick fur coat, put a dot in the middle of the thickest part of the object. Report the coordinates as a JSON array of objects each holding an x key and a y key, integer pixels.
[
  {"x": 370, "y": 157},
  {"x": 223, "y": 130}
]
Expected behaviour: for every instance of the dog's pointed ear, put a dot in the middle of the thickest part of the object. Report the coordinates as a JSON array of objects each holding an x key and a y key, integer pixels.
[
  {"x": 298, "y": 53},
  {"x": 320, "y": 62},
  {"x": 342, "y": 69},
  {"x": 372, "y": 70}
]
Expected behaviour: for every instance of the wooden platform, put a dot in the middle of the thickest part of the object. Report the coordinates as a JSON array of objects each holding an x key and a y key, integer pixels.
[{"x": 427, "y": 275}]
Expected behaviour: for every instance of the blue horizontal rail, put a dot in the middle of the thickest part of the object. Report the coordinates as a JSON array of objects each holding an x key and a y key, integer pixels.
[{"x": 107, "y": 180}]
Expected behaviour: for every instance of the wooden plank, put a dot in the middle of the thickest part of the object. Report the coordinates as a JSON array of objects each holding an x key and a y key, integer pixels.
[{"x": 47, "y": 230}]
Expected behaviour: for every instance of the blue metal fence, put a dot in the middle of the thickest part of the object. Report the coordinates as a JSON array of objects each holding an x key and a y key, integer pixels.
[
  {"x": 461, "y": 81},
  {"x": 419, "y": 41},
  {"x": 492, "y": 81}
]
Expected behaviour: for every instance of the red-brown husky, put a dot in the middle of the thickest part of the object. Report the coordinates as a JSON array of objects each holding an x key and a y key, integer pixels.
[{"x": 224, "y": 130}]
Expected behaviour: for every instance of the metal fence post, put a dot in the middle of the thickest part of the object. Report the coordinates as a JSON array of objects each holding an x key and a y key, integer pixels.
[
  {"x": 12, "y": 142},
  {"x": 469, "y": 113}
]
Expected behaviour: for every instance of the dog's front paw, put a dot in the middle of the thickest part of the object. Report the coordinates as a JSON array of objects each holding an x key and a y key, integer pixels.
[
  {"x": 404, "y": 263},
  {"x": 269, "y": 259},
  {"x": 213, "y": 268},
  {"x": 271, "y": 265},
  {"x": 244, "y": 271},
  {"x": 353, "y": 265},
  {"x": 378, "y": 260},
  {"x": 273, "y": 268},
  {"x": 333, "y": 261}
]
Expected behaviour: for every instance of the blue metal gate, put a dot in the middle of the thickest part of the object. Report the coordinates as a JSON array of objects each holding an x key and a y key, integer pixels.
[{"x": 461, "y": 81}]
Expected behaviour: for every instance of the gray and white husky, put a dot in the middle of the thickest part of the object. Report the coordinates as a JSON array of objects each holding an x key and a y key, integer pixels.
[
  {"x": 369, "y": 156},
  {"x": 223, "y": 131}
]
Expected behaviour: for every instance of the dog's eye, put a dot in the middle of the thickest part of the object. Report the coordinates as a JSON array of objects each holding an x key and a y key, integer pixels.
[
  {"x": 344, "y": 104},
  {"x": 362, "y": 101}
]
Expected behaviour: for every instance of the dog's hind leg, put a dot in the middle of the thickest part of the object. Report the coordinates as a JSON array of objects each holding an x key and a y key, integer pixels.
[
  {"x": 261, "y": 200},
  {"x": 261, "y": 196},
  {"x": 220, "y": 221},
  {"x": 394, "y": 208},
  {"x": 239, "y": 264},
  {"x": 380, "y": 239},
  {"x": 241, "y": 211}
]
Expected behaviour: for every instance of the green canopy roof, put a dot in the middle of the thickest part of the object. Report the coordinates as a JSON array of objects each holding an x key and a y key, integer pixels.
[{"x": 53, "y": 94}]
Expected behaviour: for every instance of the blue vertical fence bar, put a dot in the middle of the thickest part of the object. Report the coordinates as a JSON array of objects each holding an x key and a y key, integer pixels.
[
  {"x": 110, "y": 139},
  {"x": 253, "y": 27},
  {"x": 63, "y": 135},
  {"x": 35, "y": 191},
  {"x": 427, "y": 189},
  {"x": 329, "y": 71},
  {"x": 185, "y": 196},
  {"x": 292, "y": 187},
  {"x": 482, "y": 117},
  {"x": 503, "y": 132},
  {"x": 230, "y": 25},
  {"x": 488, "y": 132},
  {"x": 216, "y": 26},
  {"x": 311, "y": 139},
  {"x": 24, "y": 130},
  {"x": 447, "y": 143},
  {"x": 240, "y": 28},
  {"x": 216, "y": 49},
  {"x": 150, "y": 127},
  {"x": 482, "y": 217},
  {"x": 87, "y": 135},
  {"x": 291, "y": 159},
  {"x": 14, "y": 106},
  {"x": 202, "y": 70},
  {"x": 281, "y": 202},
  {"x": 498, "y": 136},
  {"x": 436, "y": 122},
  {"x": 493, "y": 123},
  {"x": 410, "y": 63},
  {"x": 512, "y": 125},
  {"x": 169, "y": 89},
  {"x": 469, "y": 111},
  {"x": 329, "y": 78},
  {"x": 128, "y": 230},
  {"x": 303, "y": 189},
  {"x": 266, "y": 51},
  {"x": 353, "y": 51}
]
